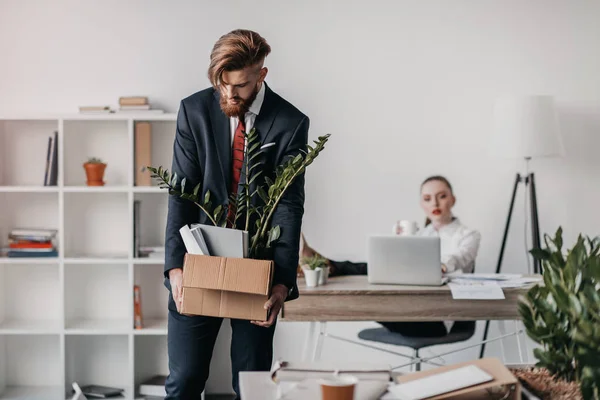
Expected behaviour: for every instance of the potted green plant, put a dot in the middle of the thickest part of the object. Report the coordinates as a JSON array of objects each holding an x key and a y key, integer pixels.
[
  {"x": 562, "y": 314},
  {"x": 94, "y": 170},
  {"x": 315, "y": 269},
  {"x": 262, "y": 234}
]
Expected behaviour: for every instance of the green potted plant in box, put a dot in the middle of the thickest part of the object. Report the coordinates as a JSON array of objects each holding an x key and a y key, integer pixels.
[
  {"x": 314, "y": 269},
  {"x": 262, "y": 234},
  {"x": 94, "y": 170},
  {"x": 563, "y": 316}
]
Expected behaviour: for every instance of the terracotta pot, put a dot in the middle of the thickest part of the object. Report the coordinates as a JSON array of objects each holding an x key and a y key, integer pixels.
[
  {"x": 95, "y": 173},
  {"x": 538, "y": 383}
]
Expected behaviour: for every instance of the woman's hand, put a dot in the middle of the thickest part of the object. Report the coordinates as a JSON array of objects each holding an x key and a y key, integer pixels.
[{"x": 444, "y": 268}]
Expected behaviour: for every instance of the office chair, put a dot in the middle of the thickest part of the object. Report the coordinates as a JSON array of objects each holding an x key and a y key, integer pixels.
[{"x": 460, "y": 332}]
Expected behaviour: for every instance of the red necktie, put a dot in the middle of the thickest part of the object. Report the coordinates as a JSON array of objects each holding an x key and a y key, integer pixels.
[{"x": 237, "y": 158}]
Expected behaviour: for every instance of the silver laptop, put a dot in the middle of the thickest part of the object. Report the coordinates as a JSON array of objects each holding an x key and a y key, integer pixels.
[{"x": 404, "y": 260}]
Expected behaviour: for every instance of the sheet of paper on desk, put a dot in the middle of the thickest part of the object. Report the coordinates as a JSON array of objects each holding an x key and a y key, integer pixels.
[
  {"x": 515, "y": 282},
  {"x": 483, "y": 290},
  {"x": 487, "y": 277}
]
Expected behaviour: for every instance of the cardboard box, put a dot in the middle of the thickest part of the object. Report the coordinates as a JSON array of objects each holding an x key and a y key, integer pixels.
[
  {"x": 505, "y": 385},
  {"x": 226, "y": 287}
]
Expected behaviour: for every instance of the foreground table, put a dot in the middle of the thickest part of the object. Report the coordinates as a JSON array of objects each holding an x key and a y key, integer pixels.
[{"x": 258, "y": 385}]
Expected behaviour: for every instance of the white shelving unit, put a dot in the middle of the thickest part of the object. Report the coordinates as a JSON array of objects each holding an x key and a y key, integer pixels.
[{"x": 70, "y": 318}]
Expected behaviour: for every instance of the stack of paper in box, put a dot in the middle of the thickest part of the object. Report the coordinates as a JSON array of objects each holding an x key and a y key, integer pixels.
[
  {"x": 218, "y": 279},
  {"x": 31, "y": 243}
]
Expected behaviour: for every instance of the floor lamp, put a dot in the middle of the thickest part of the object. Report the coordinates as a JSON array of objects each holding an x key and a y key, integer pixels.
[{"x": 525, "y": 127}]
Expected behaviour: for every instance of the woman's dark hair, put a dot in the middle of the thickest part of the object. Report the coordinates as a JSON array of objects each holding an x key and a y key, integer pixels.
[{"x": 438, "y": 178}]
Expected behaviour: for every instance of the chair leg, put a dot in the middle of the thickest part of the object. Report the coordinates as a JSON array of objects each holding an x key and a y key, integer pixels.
[
  {"x": 418, "y": 364},
  {"x": 518, "y": 335},
  {"x": 320, "y": 338},
  {"x": 502, "y": 329}
]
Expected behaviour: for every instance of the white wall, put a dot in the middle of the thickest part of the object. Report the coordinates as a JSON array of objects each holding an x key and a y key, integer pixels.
[{"x": 405, "y": 87}]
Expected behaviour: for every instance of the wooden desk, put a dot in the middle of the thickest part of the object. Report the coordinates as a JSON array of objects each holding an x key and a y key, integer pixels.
[{"x": 352, "y": 298}]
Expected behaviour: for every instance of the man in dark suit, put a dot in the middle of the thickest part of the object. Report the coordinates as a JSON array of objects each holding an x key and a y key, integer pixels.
[{"x": 210, "y": 127}]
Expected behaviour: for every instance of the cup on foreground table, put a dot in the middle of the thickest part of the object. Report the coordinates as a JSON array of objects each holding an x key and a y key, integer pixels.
[{"x": 338, "y": 387}]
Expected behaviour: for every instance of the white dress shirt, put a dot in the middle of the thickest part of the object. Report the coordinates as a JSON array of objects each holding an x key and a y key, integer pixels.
[
  {"x": 250, "y": 116},
  {"x": 459, "y": 245}
]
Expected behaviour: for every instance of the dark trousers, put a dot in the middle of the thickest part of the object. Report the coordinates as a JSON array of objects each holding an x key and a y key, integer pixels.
[
  {"x": 191, "y": 340},
  {"x": 413, "y": 329}
]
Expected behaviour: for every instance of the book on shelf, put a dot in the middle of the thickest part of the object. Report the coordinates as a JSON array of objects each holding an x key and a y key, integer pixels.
[
  {"x": 101, "y": 392},
  {"x": 32, "y": 234},
  {"x": 137, "y": 308},
  {"x": 51, "y": 172},
  {"x": 133, "y": 101},
  {"x": 155, "y": 252},
  {"x": 135, "y": 108},
  {"x": 154, "y": 386},
  {"x": 136, "y": 228},
  {"x": 36, "y": 254},
  {"x": 143, "y": 153},
  {"x": 149, "y": 111},
  {"x": 94, "y": 109}
]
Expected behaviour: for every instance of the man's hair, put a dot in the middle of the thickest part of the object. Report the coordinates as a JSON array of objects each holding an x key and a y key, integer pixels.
[{"x": 236, "y": 50}]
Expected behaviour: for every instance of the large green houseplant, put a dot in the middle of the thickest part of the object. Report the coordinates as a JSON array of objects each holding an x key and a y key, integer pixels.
[
  {"x": 262, "y": 234},
  {"x": 562, "y": 314}
]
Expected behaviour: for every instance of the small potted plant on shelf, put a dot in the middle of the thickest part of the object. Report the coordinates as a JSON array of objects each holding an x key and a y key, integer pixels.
[
  {"x": 315, "y": 269},
  {"x": 94, "y": 170},
  {"x": 563, "y": 316}
]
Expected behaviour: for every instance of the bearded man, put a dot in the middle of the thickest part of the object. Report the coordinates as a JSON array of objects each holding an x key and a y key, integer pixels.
[{"x": 208, "y": 149}]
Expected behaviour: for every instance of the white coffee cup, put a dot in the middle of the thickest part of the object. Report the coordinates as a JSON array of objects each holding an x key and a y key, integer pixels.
[{"x": 407, "y": 228}]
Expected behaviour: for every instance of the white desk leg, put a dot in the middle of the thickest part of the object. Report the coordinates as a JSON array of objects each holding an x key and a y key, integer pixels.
[
  {"x": 308, "y": 341},
  {"x": 320, "y": 339},
  {"x": 502, "y": 329}
]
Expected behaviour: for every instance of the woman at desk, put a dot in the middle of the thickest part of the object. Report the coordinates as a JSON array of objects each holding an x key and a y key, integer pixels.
[{"x": 459, "y": 247}]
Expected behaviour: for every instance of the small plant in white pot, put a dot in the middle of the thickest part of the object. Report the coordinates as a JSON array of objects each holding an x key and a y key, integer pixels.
[{"x": 314, "y": 268}]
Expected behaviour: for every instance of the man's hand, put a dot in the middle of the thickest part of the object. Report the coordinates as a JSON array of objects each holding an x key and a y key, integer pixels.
[
  {"x": 176, "y": 278},
  {"x": 279, "y": 293}
]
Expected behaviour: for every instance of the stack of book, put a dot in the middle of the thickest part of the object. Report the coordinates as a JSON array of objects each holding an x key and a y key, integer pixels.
[
  {"x": 136, "y": 104},
  {"x": 157, "y": 252},
  {"x": 154, "y": 387},
  {"x": 31, "y": 243}
]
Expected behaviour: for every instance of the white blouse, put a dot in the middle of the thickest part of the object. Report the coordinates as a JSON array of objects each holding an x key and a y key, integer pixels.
[{"x": 459, "y": 245}]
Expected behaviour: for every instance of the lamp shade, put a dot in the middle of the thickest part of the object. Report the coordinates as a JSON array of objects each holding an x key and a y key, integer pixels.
[{"x": 525, "y": 126}]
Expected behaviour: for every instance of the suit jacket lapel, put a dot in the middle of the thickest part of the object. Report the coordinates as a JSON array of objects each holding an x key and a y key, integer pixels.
[
  {"x": 266, "y": 116},
  {"x": 222, "y": 138}
]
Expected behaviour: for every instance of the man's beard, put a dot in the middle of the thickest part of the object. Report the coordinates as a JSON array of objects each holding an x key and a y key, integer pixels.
[{"x": 240, "y": 109}]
